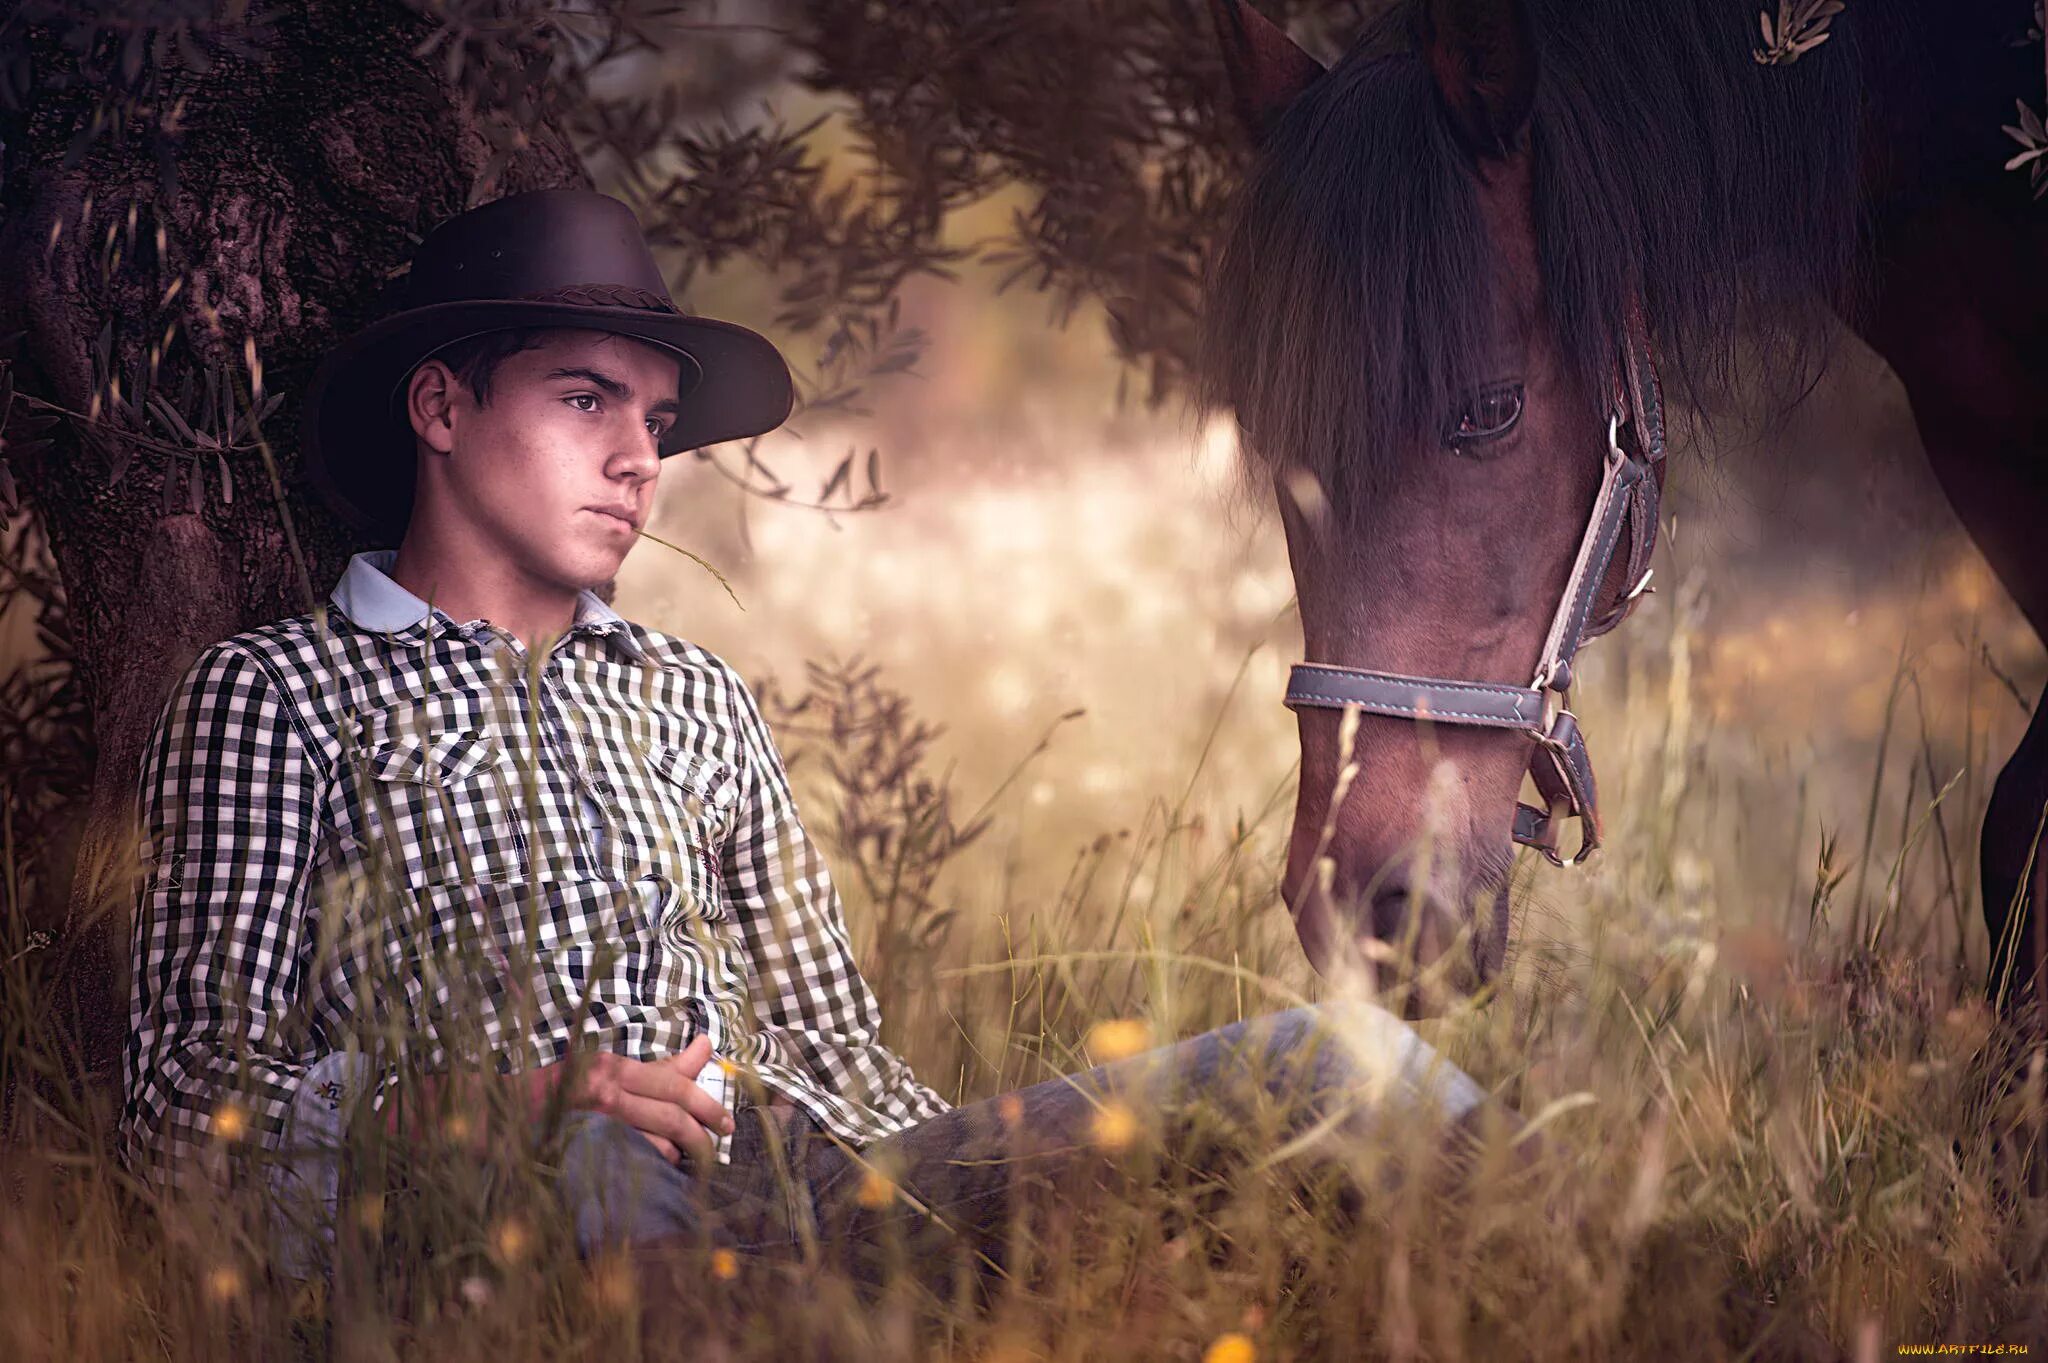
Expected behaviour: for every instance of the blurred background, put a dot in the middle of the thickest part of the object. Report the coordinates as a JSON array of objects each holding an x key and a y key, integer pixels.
[{"x": 1825, "y": 650}]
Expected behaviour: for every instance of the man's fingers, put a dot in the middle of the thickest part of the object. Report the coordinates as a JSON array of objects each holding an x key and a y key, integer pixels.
[
  {"x": 664, "y": 1081},
  {"x": 692, "y": 1057},
  {"x": 666, "y": 1146},
  {"x": 671, "y": 1077},
  {"x": 670, "y": 1120}
]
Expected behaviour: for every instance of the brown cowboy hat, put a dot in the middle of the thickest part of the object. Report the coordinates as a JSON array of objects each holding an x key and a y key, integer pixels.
[{"x": 547, "y": 258}]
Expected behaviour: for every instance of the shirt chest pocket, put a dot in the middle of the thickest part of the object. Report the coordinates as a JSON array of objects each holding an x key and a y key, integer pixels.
[
  {"x": 692, "y": 799},
  {"x": 442, "y": 807}
]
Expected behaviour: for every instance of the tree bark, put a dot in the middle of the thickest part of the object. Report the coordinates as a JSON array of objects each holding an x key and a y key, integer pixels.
[{"x": 304, "y": 176}]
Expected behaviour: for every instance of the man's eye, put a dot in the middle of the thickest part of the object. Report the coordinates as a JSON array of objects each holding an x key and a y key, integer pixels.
[
  {"x": 1488, "y": 413},
  {"x": 654, "y": 425}
]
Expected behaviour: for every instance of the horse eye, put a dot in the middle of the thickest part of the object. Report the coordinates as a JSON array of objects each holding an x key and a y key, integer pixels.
[{"x": 1488, "y": 414}]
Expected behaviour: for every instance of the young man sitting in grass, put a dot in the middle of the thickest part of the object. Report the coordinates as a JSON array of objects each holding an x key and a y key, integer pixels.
[{"x": 469, "y": 819}]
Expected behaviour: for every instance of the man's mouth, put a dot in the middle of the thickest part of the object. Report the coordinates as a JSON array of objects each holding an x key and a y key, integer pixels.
[{"x": 618, "y": 516}]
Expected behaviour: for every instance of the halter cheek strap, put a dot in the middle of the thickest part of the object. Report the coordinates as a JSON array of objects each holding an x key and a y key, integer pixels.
[{"x": 1624, "y": 517}]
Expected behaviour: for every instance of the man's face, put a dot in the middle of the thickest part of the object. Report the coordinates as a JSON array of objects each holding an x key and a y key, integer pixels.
[{"x": 569, "y": 436}]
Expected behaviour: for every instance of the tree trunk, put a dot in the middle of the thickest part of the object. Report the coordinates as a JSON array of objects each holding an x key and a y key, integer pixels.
[{"x": 304, "y": 174}]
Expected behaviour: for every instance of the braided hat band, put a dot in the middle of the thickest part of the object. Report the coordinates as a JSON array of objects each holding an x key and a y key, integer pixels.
[
  {"x": 604, "y": 295},
  {"x": 582, "y": 295}
]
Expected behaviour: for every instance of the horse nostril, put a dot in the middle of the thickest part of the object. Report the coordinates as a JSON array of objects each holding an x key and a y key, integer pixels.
[
  {"x": 1418, "y": 933},
  {"x": 1402, "y": 916}
]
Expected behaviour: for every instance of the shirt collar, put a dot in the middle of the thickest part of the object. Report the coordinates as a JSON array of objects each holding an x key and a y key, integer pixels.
[{"x": 372, "y": 599}]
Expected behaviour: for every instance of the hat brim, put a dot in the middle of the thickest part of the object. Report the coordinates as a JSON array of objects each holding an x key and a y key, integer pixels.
[{"x": 359, "y": 445}]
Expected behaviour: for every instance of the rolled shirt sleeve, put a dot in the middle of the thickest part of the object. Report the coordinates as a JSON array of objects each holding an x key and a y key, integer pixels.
[
  {"x": 807, "y": 992},
  {"x": 229, "y": 797}
]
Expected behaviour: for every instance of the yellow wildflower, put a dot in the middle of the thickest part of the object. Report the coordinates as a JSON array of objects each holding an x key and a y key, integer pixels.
[
  {"x": 725, "y": 1265},
  {"x": 1118, "y": 1039},
  {"x": 510, "y": 1239},
  {"x": 877, "y": 1190},
  {"x": 223, "y": 1284},
  {"x": 612, "y": 1284},
  {"x": 1115, "y": 1127},
  {"x": 230, "y": 1123},
  {"x": 1231, "y": 1348}
]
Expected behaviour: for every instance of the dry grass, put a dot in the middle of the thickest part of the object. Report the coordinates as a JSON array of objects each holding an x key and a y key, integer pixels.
[
  {"x": 1774, "y": 1119},
  {"x": 1771, "y": 1126}
]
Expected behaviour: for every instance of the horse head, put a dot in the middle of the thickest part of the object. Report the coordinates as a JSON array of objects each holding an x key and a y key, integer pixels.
[{"x": 1445, "y": 463}]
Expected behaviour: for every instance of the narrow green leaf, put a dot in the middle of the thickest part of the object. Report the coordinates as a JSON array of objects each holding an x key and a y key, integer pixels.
[{"x": 170, "y": 417}]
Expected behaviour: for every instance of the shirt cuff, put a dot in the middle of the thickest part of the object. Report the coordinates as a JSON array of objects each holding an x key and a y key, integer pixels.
[{"x": 304, "y": 1171}]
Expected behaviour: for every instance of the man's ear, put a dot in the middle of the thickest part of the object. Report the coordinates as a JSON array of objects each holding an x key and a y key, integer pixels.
[
  {"x": 429, "y": 405},
  {"x": 1483, "y": 58},
  {"x": 1267, "y": 70}
]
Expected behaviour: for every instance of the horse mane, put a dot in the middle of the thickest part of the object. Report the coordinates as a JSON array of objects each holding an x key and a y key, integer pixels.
[{"x": 1347, "y": 309}]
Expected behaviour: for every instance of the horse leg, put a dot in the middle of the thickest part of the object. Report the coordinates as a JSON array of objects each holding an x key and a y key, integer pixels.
[
  {"x": 1963, "y": 321},
  {"x": 2016, "y": 915}
]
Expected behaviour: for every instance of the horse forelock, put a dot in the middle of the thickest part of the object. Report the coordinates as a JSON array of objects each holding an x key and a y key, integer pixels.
[{"x": 1348, "y": 307}]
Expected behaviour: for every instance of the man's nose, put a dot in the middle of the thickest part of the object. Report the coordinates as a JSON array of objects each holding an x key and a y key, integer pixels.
[{"x": 640, "y": 458}]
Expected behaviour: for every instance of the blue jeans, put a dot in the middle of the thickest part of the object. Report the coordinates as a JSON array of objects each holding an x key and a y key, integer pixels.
[{"x": 946, "y": 1186}]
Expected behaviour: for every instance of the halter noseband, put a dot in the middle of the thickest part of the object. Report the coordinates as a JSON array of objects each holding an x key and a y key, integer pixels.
[{"x": 1626, "y": 505}]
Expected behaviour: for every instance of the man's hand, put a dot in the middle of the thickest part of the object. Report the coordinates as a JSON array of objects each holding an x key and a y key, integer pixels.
[{"x": 658, "y": 1098}]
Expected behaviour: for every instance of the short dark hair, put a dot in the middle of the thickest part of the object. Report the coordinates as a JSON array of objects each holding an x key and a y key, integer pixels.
[{"x": 475, "y": 359}]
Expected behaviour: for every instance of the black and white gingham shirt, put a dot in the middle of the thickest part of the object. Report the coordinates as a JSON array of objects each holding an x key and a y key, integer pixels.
[{"x": 615, "y": 816}]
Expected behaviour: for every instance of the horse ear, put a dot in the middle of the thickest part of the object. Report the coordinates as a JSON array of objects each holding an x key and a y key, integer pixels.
[
  {"x": 1484, "y": 61},
  {"x": 1267, "y": 71}
]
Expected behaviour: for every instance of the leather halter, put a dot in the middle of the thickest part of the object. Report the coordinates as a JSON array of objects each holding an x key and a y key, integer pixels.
[{"x": 1624, "y": 510}]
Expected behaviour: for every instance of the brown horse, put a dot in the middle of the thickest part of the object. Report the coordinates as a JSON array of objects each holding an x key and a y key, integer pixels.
[{"x": 1424, "y": 314}]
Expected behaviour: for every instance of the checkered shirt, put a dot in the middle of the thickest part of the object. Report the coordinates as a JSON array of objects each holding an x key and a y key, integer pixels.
[{"x": 596, "y": 849}]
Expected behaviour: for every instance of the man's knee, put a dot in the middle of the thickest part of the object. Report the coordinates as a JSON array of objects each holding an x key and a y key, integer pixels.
[
  {"x": 618, "y": 1188},
  {"x": 1359, "y": 1055}
]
